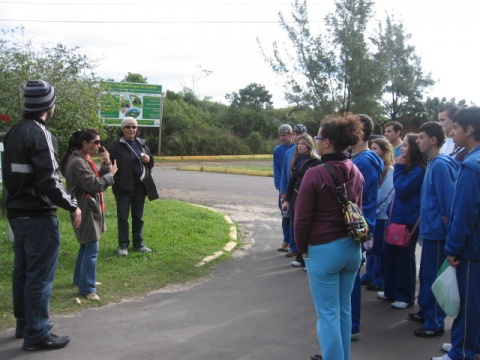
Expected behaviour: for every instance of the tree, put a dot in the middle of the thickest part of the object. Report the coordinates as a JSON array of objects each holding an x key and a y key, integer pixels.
[
  {"x": 309, "y": 72},
  {"x": 251, "y": 111},
  {"x": 254, "y": 97},
  {"x": 334, "y": 70},
  {"x": 432, "y": 105},
  {"x": 190, "y": 128},
  {"x": 135, "y": 78},
  {"x": 72, "y": 75},
  {"x": 404, "y": 78},
  {"x": 358, "y": 79}
]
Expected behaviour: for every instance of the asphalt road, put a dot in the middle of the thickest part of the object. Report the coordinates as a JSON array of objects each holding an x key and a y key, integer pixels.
[{"x": 255, "y": 307}]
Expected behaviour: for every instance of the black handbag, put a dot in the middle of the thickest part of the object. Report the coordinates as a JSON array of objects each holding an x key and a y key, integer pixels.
[{"x": 150, "y": 186}]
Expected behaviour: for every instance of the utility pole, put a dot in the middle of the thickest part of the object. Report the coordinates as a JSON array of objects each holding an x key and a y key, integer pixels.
[{"x": 160, "y": 126}]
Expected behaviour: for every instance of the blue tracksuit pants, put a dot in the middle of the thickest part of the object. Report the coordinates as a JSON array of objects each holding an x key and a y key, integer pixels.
[
  {"x": 433, "y": 255},
  {"x": 465, "y": 327},
  {"x": 399, "y": 271}
]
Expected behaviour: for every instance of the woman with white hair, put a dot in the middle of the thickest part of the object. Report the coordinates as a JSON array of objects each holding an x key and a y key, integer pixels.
[{"x": 134, "y": 162}]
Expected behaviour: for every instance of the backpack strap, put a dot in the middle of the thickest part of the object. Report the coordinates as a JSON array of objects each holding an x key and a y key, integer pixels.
[{"x": 340, "y": 189}]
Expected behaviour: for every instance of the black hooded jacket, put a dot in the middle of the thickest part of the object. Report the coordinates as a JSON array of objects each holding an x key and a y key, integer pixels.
[{"x": 30, "y": 172}]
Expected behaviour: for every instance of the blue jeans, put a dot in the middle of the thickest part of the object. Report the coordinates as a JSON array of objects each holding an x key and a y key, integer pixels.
[
  {"x": 331, "y": 270},
  {"x": 136, "y": 203},
  {"x": 86, "y": 268},
  {"x": 36, "y": 247},
  {"x": 285, "y": 223}
]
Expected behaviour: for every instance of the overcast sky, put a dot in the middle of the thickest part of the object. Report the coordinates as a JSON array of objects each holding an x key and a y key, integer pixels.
[{"x": 170, "y": 41}]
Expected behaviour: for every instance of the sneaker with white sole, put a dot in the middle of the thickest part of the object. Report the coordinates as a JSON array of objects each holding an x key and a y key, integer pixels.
[
  {"x": 446, "y": 347},
  {"x": 401, "y": 305},
  {"x": 122, "y": 252},
  {"x": 444, "y": 357},
  {"x": 144, "y": 249},
  {"x": 381, "y": 295}
]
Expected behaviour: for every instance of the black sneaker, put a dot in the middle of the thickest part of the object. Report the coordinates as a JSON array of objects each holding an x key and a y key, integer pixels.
[
  {"x": 299, "y": 262},
  {"x": 316, "y": 357},
  {"x": 416, "y": 317},
  {"x": 20, "y": 333},
  {"x": 424, "y": 332},
  {"x": 373, "y": 287},
  {"x": 50, "y": 343}
]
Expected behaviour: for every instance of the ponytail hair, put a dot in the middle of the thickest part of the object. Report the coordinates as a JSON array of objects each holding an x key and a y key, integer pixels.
[{"x": 76, "y": 143}]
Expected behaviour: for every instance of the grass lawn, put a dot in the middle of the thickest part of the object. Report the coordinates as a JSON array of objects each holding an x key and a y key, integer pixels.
[{"x": 179, "y": 234}]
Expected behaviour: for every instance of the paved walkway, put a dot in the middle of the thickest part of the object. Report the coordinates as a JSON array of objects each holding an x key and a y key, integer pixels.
[{"x": 255, "y": 307}]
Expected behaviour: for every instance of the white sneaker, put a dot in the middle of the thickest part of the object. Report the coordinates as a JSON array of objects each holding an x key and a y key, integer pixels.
[
  {"x": 381, "y": 295},
  {"x": 297, "y": 264},
  {"x": 401, "y": 305},
  {"x": 446, "y": 347},
  {"x": 444, "y": 357},
  {"x": 122, "y": 252},
  {"x": 144, "y": 249}
]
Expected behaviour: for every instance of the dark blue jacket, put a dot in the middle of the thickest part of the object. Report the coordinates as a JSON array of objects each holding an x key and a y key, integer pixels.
[
  {"x": 463, "y": 238},
  {"x": 371, "y": 167},
  {"x": 406, "y": 201},
  {"x": 278, "y": 155},
  {"x": 436, "y": 198}
]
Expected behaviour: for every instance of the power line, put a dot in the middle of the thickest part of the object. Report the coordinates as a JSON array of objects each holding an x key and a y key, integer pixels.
[
  {"x": 145, "y": 22},
  {"x": 173, "y": 3}
]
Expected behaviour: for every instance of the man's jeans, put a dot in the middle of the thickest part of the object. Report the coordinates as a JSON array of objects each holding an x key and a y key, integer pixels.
[
  {"x": 136, "y": 202},
  {"x": 86, "y": 268},
  {"x": 36, "y": 246}
]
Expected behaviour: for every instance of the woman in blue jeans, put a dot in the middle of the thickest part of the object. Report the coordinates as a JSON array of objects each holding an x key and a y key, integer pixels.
[
  {"x": 87, "y": 183},
  {"x": 333, "y": 257}
]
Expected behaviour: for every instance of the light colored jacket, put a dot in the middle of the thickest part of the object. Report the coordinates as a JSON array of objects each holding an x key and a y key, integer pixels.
[{"x": 82, "y": 181}]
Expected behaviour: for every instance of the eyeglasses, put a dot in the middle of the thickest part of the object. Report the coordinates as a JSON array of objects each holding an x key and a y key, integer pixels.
[
  {"x": 96, "y": 142},
  {"x": 130, "y": 127},
  {"x": 319, "y": 138}
]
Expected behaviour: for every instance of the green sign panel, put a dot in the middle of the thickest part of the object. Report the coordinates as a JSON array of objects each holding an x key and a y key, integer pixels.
[{"x": 140, "y": 101}]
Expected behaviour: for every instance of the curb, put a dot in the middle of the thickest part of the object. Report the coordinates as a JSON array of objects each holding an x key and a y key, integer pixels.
[
  {"x": 232, "y": 244},
  {"x": 223, "y": 170},
  {"x": 215, "y": 157}
]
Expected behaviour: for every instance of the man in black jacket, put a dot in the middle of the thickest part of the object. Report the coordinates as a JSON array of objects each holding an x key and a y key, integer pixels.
[{"x": 34, "y": 192}]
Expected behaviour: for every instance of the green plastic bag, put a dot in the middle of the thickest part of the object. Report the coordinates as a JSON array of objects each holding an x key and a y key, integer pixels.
[{"x": 445, "y": 289}]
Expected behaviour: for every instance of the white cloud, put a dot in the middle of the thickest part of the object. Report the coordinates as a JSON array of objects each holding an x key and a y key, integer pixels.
[{"x": 220, "y": 35}]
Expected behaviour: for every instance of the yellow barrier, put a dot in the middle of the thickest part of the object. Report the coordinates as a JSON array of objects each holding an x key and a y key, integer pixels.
[
  {"x": 222, "y": 170},
  {"x": 206, "y": 157},
  {"x": 215, "y": 157}
]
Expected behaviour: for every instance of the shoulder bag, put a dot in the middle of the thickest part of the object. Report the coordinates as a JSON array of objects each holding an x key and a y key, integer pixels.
[
  {"x": 357, "y": 226},
  {"x": 398, "y": 234}
]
